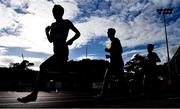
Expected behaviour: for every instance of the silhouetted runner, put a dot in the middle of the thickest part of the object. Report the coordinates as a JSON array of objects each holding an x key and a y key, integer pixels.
[
  {"x": 116, "y": 66},
  {"x": 57, "y": 34},
  {"x": 151, "y": 69}
]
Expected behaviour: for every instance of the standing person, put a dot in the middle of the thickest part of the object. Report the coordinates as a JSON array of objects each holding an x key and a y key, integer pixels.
[
  {"x": 116, "y": 66},
  {"x": 152, "y": 59},
  {"x": 57, "y": 34},
  {"x": 151, "y": 70}
]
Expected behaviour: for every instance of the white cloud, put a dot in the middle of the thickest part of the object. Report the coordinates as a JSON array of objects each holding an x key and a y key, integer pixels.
[
  {"x": 2, "y": 51},
  {"x": 33, "y": 23},
  {"x": 89, "y": 56},
  {"x": 29, "y": 25},
  {"x": 136, "y": 22},
  {"x": 7, "y": 16},
  {"x": 137, "y": 32},
  {"x": 95, "y": 27},
  {"x": 6, "y": 60},
  {"x": 133, "y": 30}
]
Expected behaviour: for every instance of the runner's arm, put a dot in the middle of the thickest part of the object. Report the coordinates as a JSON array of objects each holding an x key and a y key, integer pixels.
[{"x": 76, "y": 36}]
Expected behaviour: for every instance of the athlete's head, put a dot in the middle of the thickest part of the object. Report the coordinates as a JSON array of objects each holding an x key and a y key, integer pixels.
[
  {"x": 111, "y": 33},
  {"x": 150, "y": 47},
  {"x": 58, "y": 11}
]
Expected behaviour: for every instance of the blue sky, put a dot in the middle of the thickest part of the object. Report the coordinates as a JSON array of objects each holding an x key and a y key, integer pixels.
[{"x": 136, "y": 22}]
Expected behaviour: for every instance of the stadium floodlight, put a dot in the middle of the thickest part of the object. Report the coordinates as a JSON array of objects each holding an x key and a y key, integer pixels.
[{"x": 164, "y": 12}]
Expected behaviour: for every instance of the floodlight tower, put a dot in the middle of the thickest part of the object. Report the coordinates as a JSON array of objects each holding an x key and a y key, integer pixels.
[{"x": 164, "y": 12}]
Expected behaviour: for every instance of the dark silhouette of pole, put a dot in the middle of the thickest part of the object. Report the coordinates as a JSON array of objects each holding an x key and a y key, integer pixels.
[
  {"x": 86, "y": 50},
  {"x": 164, "y": 12},
  {"x": 87, "y": 47},
  {"x": 22, "y": 56},
  {"x": 167, "y": 46}
]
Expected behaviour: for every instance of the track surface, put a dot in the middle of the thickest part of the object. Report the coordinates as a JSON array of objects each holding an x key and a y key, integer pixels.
[{"x": 83, "y": 100}]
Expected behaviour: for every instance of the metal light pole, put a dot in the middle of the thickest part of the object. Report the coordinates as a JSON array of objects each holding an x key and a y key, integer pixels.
[
  {"x": 87, "y": 47},
  {"x": 86, "y": 50},
  {"x": 164, "y": 12}
]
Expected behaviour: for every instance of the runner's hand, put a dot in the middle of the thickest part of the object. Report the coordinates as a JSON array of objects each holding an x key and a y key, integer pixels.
[{"x": 69, "y": 42}]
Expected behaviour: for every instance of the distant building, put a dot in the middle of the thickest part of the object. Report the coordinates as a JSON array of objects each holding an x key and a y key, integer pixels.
[{"x": 175, "y": 62}]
